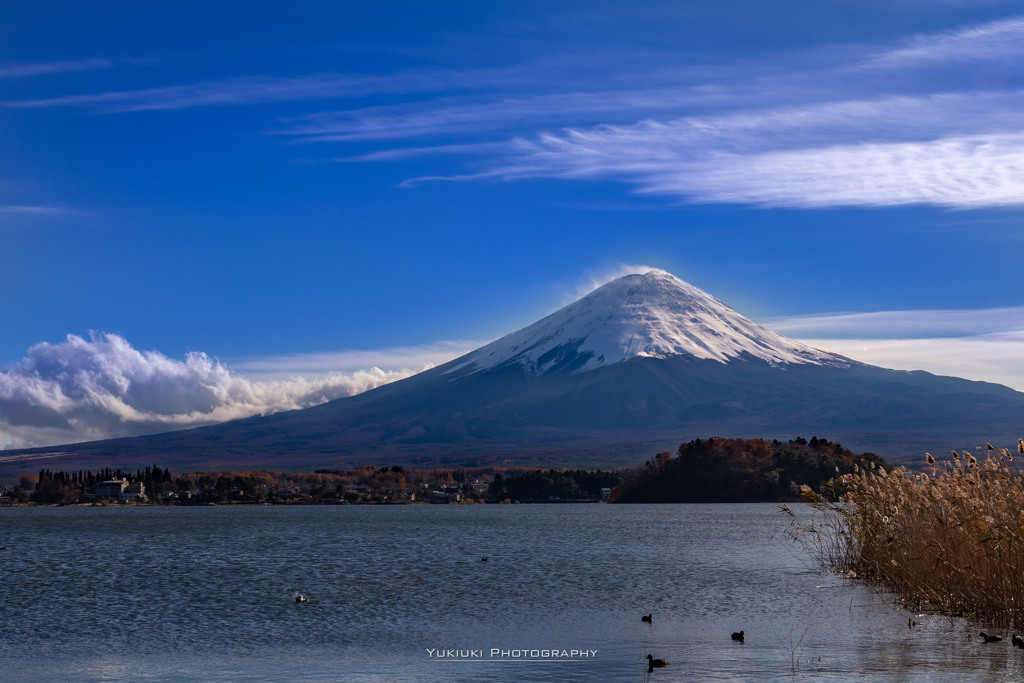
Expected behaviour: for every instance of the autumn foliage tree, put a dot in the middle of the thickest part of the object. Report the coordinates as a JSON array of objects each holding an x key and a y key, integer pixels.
[{"x": 739, "y": 470}]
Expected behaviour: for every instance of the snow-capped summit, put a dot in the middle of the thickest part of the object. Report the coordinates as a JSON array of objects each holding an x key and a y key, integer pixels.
[{"x": 654, "y": 314}]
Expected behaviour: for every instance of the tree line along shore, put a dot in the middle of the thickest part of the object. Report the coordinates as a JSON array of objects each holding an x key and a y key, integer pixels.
[{"x": 701, "y": 471}]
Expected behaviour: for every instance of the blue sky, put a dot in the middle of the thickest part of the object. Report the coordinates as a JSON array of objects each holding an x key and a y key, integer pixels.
[{"x": 238, "y": 207}]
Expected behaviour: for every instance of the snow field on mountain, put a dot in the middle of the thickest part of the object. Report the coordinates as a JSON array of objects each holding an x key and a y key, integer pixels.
[{"x": 650, "y": 315}]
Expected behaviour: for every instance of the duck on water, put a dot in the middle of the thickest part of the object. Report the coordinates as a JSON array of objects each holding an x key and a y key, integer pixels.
[{"x": 652, "y": 663}]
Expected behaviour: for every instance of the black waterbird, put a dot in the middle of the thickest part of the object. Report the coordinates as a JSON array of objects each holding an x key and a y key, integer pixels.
[{"x": 652, "y": 663}]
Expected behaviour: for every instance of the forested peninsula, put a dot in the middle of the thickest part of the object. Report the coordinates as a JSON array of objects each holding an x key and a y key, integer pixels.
[{"x": 719, "y": 470}]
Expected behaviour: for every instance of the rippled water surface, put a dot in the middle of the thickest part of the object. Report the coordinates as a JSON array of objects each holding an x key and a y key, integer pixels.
[{"x": 207, "y": 593}]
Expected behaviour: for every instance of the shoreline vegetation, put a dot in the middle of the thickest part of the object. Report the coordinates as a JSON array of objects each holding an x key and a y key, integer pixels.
[
  {"x": 363, "y": 485},
  {"x": 718, "y": 470},
  {"x": 714, "y": 470},
  {"x": 948, "y": 540}
]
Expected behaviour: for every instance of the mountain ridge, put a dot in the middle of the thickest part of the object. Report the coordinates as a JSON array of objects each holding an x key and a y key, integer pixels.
[{"x": 533, "y": 397}]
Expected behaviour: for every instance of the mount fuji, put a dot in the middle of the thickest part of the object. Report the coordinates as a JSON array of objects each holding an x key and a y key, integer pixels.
[
  {"x": 635, "y": 367},
  {"x": 655, "y": 315}
]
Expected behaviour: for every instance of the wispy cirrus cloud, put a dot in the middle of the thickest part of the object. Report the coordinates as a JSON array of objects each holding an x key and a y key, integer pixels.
[
  {"x": 960, "y": 172},
  {"x": 252, "y": 90},
  {"x": 459, "y": 116},
  {"x": 30, "y": 210},
  {"x": 813, "y": 156},
  {"x": 956, "y": 147},
  {"x": 431, "y": 150},
  {"x": 994, "y": 41},
  {"x": 904, "y": 324},
  {"x": 816, "y": 147},
  {"x": 43, "y": 68},
  {"x": 919, "y": 121}
]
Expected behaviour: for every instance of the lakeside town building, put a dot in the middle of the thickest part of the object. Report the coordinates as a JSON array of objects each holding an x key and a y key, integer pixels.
[
  {"x": 121, "y": 490},
  {"x": 112, "y": 488}
]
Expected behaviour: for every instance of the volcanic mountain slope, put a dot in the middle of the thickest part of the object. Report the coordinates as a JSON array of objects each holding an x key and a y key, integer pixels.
[{"x": 635, "y": 367}]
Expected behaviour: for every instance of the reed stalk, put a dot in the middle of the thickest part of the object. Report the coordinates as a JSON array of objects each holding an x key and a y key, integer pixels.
[{"x": 947, "y": 540}]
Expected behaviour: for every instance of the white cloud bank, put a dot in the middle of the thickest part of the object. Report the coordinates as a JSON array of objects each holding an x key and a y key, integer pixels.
[
  {"x": 985, "y": 344},
  {"x": 102, "y": 387},
  {"x": 991, "y": 358}
]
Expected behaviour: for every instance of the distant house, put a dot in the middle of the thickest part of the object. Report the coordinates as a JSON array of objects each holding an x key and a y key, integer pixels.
[
  {"x": 112, "y": 488},
  {"x": 120, "y": 490},
  {"x": 447, "y": 494},
  {"x": 134, "y": 491}
]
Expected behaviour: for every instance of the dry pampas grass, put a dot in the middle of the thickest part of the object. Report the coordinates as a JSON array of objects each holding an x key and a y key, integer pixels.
[{"x": 950, "y": 539}]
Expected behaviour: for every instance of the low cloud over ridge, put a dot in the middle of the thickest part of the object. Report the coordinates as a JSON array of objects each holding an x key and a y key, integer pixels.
[
  {"x": 102, "y": 387},
  {"x": 978, "y": 344}
]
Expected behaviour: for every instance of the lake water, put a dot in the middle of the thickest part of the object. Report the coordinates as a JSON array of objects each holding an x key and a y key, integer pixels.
[{"x": 207, "y": 593}]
